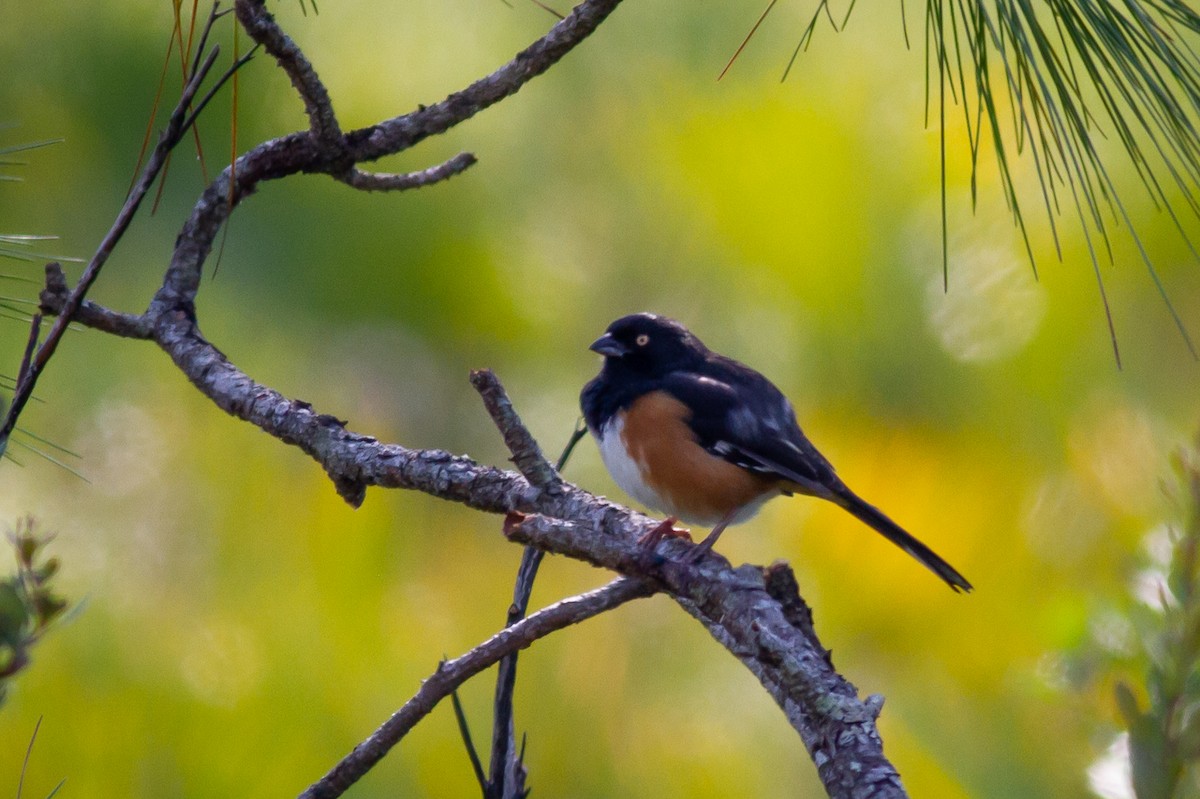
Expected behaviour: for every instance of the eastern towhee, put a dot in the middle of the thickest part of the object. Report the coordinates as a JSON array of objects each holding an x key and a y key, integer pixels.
[{"x": 708, "y": 440}]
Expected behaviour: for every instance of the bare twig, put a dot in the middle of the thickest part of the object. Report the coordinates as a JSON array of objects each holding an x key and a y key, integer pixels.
[
  {"x": 35, "y": 328},
  {"x": 577, "y": 435},
  {"x": 464, "y": 729},
  {"x": 506, "y": 776},
  {"x": 238, "y": 63},
  {"x": 453, "y": 673},
  {"x": 506, "y": 764},
  {"x": 526, "y": 454},
  {"x": 214, "y": 14},
  {"x": 402, "y": 132},
  {"x": 54, "y": 296},
  {"x": 170, "y": 137},
  {"x": 381, "y": 181},
  {"x": 304, "y": 152},
  {"x": 263, "y": 29}
]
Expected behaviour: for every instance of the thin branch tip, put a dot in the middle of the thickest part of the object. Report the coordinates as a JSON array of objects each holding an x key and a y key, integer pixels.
[
  {"x": 383, "y": 181},
  {"x": 526, "y": 453}
]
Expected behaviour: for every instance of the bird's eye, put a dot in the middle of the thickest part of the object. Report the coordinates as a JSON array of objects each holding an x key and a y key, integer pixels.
[{"x": 643, "y": 340}]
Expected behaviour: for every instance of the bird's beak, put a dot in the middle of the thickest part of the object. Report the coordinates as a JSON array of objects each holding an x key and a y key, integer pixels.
[{"x": 608, "y": 346}]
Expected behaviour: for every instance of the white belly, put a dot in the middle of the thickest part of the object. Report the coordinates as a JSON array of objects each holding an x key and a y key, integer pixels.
[
  {"x": 624, "y": 469},
  {"x": 627, "y": 474}
]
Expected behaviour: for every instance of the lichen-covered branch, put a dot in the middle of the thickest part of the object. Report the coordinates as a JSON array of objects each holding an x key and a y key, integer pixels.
[
  {"x": 453, "y": 673},
  {"x": 177, "y": 125},
  {"x": 263, "y": 29},
  {"x": 754, "y": 613},
  {"x": 767, "y": 629},
  {"x": 54, "y": 298},
  {"x": 386, "y": 181},
  {"x": 319, "y": 151}
]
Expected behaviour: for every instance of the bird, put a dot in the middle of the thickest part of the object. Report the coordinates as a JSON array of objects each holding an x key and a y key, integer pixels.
[{"x": 708, "y": 440}]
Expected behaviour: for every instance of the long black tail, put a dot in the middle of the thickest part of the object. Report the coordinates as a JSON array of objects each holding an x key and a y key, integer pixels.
[{"x": 897, "y": 535}]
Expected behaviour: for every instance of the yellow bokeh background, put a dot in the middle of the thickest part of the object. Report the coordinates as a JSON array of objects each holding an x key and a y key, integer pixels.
[{"x": 239, "y": 628}]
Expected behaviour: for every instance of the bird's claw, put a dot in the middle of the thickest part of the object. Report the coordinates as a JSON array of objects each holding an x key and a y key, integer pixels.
[
  {"x": 666, "y": 529},
  {"x": 648, "y": 543}
]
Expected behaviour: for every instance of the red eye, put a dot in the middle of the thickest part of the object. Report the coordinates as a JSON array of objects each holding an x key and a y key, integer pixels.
[{"x": 643, "y": 340}]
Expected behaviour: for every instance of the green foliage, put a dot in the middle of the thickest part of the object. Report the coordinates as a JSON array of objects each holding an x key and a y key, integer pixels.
[
  {"x": 18, "y": 309},
  {"x": 1163, "y": 726},
  {"x": 17, "y": 148},
  {"x": 14, "y": 245},
  {"x": 28, "y": 605},
  {"x": 1075, "y": 73}
]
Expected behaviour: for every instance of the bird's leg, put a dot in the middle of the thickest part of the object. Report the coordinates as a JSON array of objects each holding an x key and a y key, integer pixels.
[{"x": 704, "y": 546}]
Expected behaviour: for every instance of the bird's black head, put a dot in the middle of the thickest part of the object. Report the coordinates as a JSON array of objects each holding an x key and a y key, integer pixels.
[{"x": 649, "y": 345}]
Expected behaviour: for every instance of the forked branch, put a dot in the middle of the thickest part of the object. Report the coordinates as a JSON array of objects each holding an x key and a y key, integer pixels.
[
  {"x": 755, "y": 613},
  {"x": 452, "y": 673}
]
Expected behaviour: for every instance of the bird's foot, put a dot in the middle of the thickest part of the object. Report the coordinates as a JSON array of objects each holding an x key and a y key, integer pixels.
[
  {"x": 648, "y": 543},
  {"x": 666, "y": 529}
]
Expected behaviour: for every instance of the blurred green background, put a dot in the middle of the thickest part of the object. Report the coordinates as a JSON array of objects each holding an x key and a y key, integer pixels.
[{"x": 241, "y": 628}]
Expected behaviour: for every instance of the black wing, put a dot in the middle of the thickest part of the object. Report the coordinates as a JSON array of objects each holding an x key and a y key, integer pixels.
[{"x": 739, "y": 415}]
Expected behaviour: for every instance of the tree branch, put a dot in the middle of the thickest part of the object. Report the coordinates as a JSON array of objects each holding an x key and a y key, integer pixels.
[
  {"x": 767, "y": 636},
  {"x": 734, "y": 605},
  {"x": 54, "y": 298},
  {"x": 382, "y": 181},
  {"x": 402, "y": 132},
  {"x": 506, "y": 775},
  {"x": 309, "y": 152},
  {"x": 526, "y": 453},
  {"x": 453, "y": 673},
  {"x": 753, "y": 613},
  {"x": 171, "y": 136},
  {"x": 262, "y": 28}
]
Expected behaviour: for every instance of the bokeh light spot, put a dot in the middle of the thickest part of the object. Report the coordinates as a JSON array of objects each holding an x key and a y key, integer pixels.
[
  {"x": 222, "y": 664},
  {"x": 992, "y": 309},
  {"x": 1061, "y": 522}
]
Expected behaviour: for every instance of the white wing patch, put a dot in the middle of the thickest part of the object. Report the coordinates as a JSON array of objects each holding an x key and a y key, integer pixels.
[
  {"x": 793, "y": 447},
  {"x": 740, "y": 457}
]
